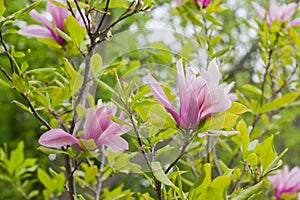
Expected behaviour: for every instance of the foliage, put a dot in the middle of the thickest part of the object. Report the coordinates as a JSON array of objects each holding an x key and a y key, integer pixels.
[{"x": 54, "y": 93}]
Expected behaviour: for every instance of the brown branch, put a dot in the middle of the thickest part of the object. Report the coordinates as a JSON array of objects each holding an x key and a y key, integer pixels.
[
  {"x": 238, "y": 183},
  {"x": 7, "y": 53},
  {"x": 103, "y": 17},
  {"x": 35, "y": 113}
]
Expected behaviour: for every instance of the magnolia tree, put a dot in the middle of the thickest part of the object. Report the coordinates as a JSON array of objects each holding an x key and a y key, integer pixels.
[{"x": 144, "y": 99}]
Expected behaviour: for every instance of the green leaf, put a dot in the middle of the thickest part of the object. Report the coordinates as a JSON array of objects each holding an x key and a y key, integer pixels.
[
  {"x": 242, "y": 128},
  {"x": 247, "y": 193},
  {"x": 90, "y": 174},
  {"x": 252, "y": 88},
  {"x": 199, "y": 189},
  {"x": 96, "y": 63},
  {"x": 88, "y": 145},
  {"x": 19, "y": 104},
  {"x": 277, "y": 103},
  {"x": 50, "y": 150},
  {"x": 45, "y": 179},
  {"x": 266, "y": 152},
  {"x": 76, "y": 83},
  {"x": 218, "y": 187},
  {"x": 2, "y": 7},
  {"x": 18, "y": 83},
  {"x": 115, "y": 4},
  {"x": 160, "y": 174},
  {"x": 237, "y": 108},
  {"x": 2, "y": 82},
  {"x": 74, "y": 29},
  {"x": 160, "y": 118},
  {"x": 16, "y": 158}
]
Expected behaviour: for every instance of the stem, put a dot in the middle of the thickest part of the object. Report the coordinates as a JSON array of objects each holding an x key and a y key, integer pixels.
[
  {"x": 183, "y": 151},
  {"x": 84, "y": 90},
  {"x": 103, "y": 17},
  {"x": 99, "y": 176},
  {"x": 35, "y": 113},
  {"x": 157, "y": 183},
  {"x": 81, "y": 14},
  {"x": 7, "y": 53},
  {"x": 216, "y": 161},
  {"x": 70, "y": 176},
  {"x": 238, "y": 183}
]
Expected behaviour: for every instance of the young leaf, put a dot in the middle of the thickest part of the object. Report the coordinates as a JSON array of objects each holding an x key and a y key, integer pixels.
[
  {"x": 242, "y": 128},
  {"x": 247, "y": 193},
  {"x": 266, "y": 152},
  {"x": 76, "y": 32},
  {"x": 96, "y": 63},
  {"x": 160, "y": 174},
  {"x": 2, "y": 7}
]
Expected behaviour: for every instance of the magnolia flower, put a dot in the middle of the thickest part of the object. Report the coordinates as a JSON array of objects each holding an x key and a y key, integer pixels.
[
  {"x": 98, "y": 127},
  {"x": 58, "y": 14},
  {"x": 200, "y": 97},
  {"x": 203, "y": 2},
  {"x": 286, "y": 181},
  {"x": 282, "y": 13}
]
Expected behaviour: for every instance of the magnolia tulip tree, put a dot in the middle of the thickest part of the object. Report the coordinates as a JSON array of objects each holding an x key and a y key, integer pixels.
[{"x": 146, "y": 99}]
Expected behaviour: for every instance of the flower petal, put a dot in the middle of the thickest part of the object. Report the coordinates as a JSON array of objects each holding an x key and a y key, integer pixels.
[
  {"x": 56, "y": 138},
  {"x": 288, "y": 11},
  {"x": 43, "y": 20},
  {"x": 35, "y": 31},
  {"x": 274, "y": 11},
  {"x": 259, "y": 10},
  {"x": 160, "y": 95},
  {"x": 58, "y": 14},
  {"x": 295, "y": 22},
  {"x": 115, "y": 143}
]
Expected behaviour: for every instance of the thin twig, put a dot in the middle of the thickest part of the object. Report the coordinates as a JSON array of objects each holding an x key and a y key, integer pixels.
[
  {"x": 157, "y": 183},
  {"x": 99, "y": 176},
  {"x": 191, "y": 160},
  {"x": 238, "y": 182},
  {"x": 182, "y": 152},
  {"x": 35, "y": 113},
  {"x": 7, "y": 53},
  {"x": 216, "y": 161},
  {"x": 103, "y": 17},
  {"x": 70, "y": 176},
  {"x": 5, "y": 74},
  {"x": 81, "y": 15}
]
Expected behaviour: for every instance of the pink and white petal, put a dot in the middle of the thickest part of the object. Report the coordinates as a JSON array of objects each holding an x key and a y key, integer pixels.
[
  {"x": 56, "y": 138},
  {"x": 58, "y": 14},
  {"x": 184, "y": 90},
  {"x": 92, "y": 129},
  {"x": 274, "y": 11},
  {"x": 295, "y": 22},
  {"x": 35, "y": 31},
  {"x": 161, "y": 97},
  {"x": 40, "y": 18},
  {"x": 259, "y": 10},
  {"x": 288, "y": 11},
  {"x": 115, "y": 143}
]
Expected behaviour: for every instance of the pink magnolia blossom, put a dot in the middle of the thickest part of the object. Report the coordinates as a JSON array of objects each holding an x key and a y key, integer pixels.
[
  {"x": 200, "y": 97},
  {"x": 98, "y": 127},
  {"x": 58, "y": 14},
  {"x": 286, "y": 181},
  {"x": 204, "y": 3},
  {"x": 282, "y": 13}
]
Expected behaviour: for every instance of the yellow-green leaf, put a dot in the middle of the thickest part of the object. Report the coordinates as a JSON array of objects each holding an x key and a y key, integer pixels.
[
  {"x": 96, "y": 63},
  {"x": 2, "y": 7},
  {"x": 74, "y": 29},
  {"x": 160, "y": 174}
]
